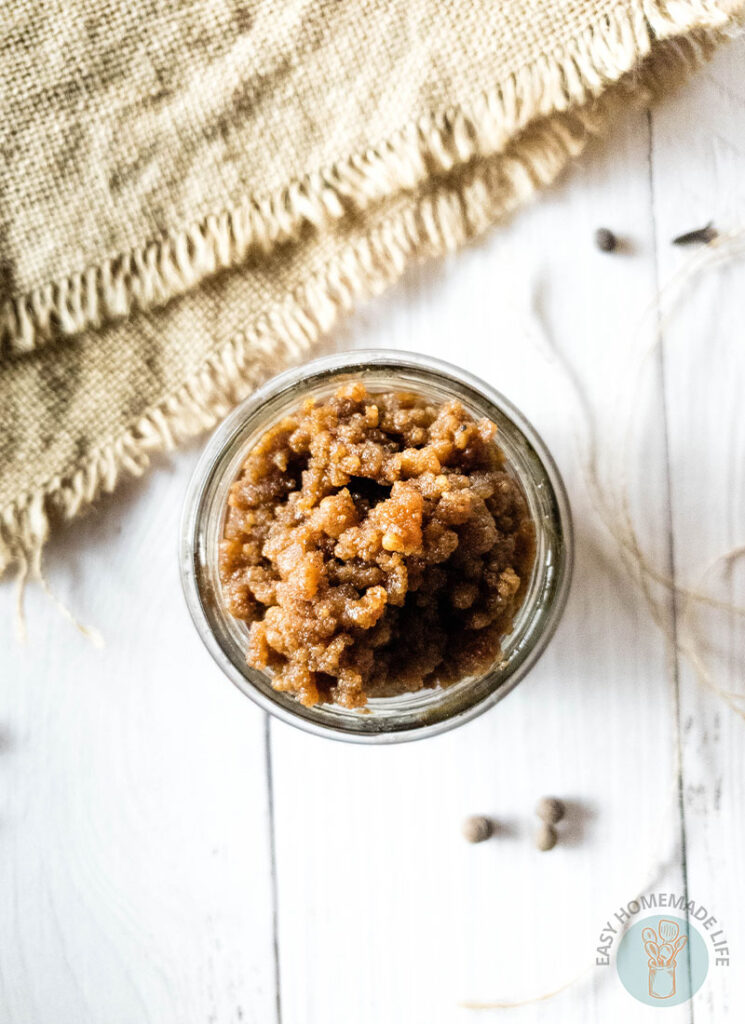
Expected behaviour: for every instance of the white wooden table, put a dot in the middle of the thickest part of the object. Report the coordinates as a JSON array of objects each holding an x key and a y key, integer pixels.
[{"x": 168, "y": 855}]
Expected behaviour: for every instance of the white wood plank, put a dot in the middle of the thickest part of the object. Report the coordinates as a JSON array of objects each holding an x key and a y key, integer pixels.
[
  {"x": 135, "y": 881},
  {"x": 699, "y": 162},
  {"x": 384, "y": 912}
]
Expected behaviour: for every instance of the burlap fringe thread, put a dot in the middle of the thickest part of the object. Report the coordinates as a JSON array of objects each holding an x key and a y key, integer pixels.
[{"x": 486, "y": 160}]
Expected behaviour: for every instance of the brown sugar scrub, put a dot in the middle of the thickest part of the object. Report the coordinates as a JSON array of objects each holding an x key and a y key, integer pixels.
[{"x": 375, "y": 544}]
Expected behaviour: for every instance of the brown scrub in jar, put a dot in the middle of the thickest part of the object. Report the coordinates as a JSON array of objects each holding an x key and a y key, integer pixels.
[{"x": 375, "y": 544}]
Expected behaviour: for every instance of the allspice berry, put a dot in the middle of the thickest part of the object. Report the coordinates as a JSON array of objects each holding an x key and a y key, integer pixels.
[
  {"x": 477, "y": 828},
  {"x": 550, "y": 810},
  {"x": 605, "y": 240},
  {"x": 545, "y": 837}
]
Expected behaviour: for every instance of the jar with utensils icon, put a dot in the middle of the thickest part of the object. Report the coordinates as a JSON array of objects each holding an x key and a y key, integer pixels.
[{"x": 662, "y": 948}]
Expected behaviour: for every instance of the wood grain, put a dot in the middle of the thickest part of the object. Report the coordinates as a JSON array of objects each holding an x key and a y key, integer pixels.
[
  {"x": 416, "y": 920},
  {"x": 698, "y": 160},
  {"x": 135, "y": 880}
]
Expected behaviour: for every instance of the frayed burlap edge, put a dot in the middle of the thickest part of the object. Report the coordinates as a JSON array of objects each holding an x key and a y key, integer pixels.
[
  {"x": 490, "y": 161},
  {"x": 154, "y": 273}
]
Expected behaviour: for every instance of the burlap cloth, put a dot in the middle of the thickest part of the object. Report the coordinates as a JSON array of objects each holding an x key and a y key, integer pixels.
[{"x": 192, "y": 190}]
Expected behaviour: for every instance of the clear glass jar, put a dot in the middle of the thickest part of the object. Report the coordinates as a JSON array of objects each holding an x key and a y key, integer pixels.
[{"x": 413, "y": 715}]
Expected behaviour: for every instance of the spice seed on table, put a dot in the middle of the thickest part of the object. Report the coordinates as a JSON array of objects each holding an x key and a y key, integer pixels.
[
  {"x": 545, "y": 837},
  {"x": 477, "y": 828},
  {"x": 550, "y": 810},
  {"x": 605, "y": 240},
  {"x": 702, "y": 235}
]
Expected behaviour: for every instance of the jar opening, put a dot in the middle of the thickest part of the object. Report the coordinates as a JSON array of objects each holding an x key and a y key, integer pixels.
[{"x": 408, "y": 715}]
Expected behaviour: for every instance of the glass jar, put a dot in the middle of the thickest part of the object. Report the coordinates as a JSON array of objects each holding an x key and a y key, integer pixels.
[{"x": 412, "y": 715}]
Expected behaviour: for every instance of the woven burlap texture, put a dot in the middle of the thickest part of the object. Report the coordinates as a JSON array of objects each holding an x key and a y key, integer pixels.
[{"x": 191, "y": 192}]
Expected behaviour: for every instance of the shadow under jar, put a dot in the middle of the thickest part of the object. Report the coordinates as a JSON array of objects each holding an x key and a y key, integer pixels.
[{"x": 406, "y": 716}]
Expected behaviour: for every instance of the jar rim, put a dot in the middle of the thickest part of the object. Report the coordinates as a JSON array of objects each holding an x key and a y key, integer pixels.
[{"x": 325, "y": 368}]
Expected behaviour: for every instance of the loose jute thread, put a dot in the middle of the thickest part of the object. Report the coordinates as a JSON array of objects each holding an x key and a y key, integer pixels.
[{"x": 727, "y": 249}]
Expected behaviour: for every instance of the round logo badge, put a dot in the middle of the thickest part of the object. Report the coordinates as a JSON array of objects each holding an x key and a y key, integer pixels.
[{"x": 662, "y": 961}]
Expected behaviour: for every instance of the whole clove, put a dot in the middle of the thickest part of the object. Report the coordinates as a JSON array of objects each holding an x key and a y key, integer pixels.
[{"x": 701, "y": 236}]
